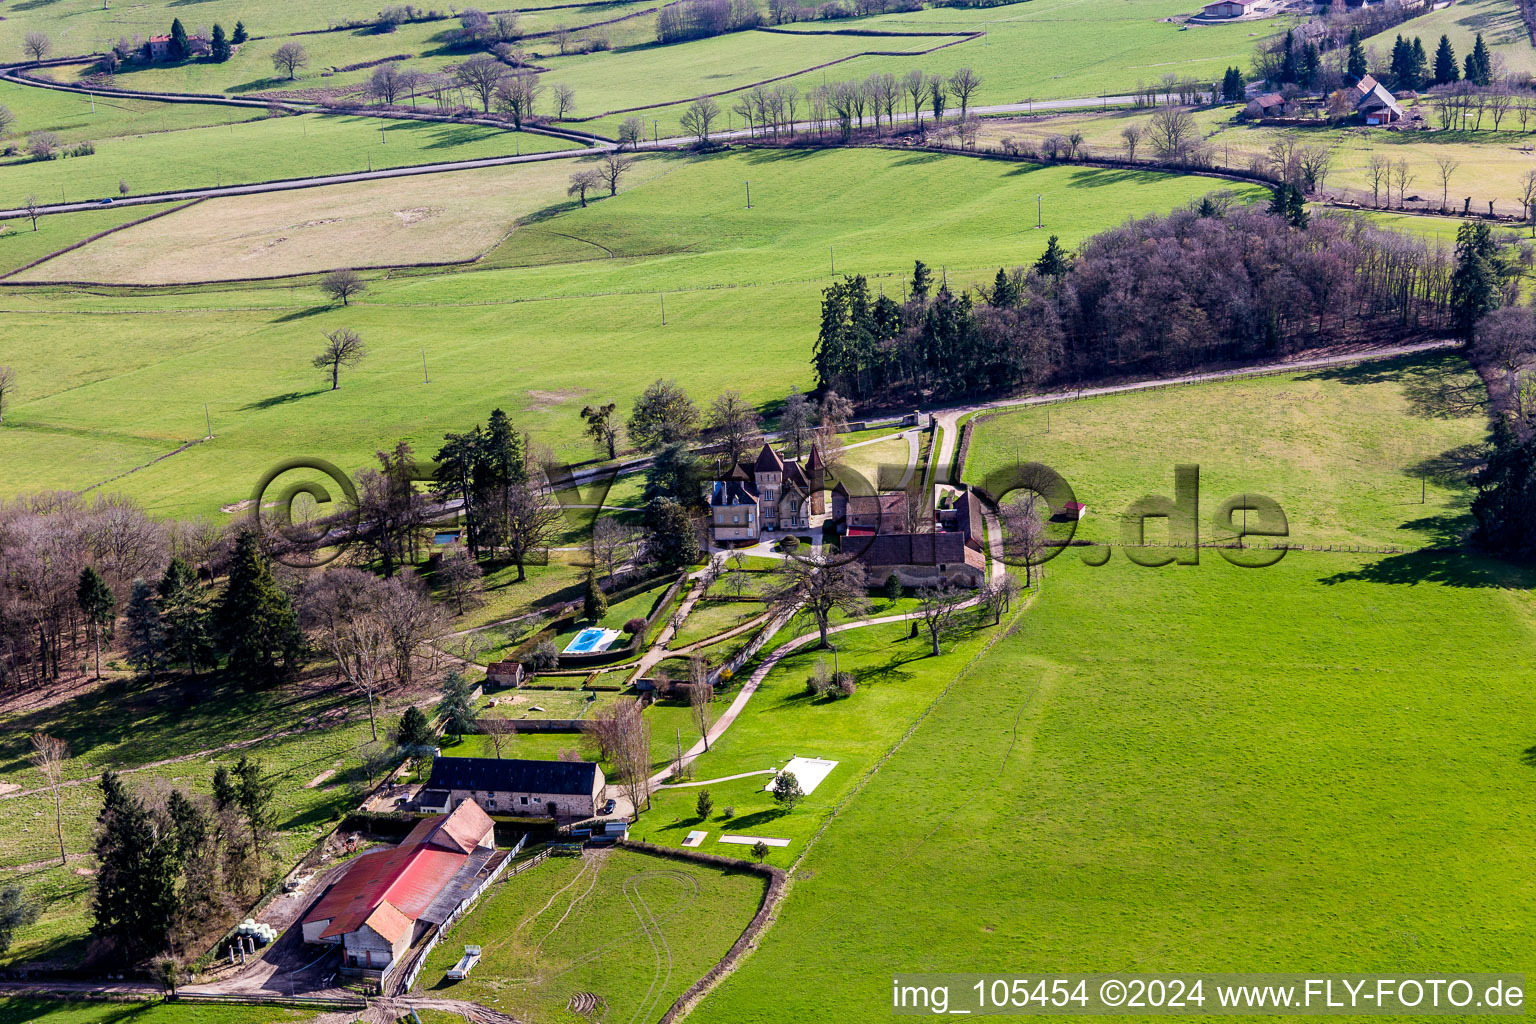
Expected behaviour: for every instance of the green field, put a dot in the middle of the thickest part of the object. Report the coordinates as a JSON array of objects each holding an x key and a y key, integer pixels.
[
  {"x": 20, "y": 244},
  {"x": 53, "y": 1011},
  {"x": 268, "y": 149},
  {"x": 1043, "y": 49},
  {"x": 1203, "y": 767},
  {"x": 633, "y": 929},
  {"x": 755, "y": 274}
]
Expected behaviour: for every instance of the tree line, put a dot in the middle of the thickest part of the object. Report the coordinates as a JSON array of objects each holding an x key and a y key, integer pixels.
[{"x": 1209, "y": 283}]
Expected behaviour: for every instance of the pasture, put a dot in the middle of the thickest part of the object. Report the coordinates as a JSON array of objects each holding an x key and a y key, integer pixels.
[
  {"x": 23, "y": 1010},
  {"x": 267, "y": 149},
  {"x": 631, "y": 929},
  {"x": 1498, "y": 22},
  {"x": 1200, "y": 765},
  {"x": 594, "y": 278}
]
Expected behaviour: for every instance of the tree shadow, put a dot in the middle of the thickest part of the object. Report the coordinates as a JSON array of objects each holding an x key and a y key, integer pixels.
[
  {"x": 301, "y": 314},
  {"x": 747, "y": 822},
  {"x": 1528, "y": 756},
  {"x": 1450, "y": 568},
  {"x": 283, "y": 399},
  {"x": 1454, "y": 466}
]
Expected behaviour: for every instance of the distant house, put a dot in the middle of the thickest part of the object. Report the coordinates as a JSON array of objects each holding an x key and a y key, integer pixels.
[
  {"x": 1269, "y": 104},
  {"x": 158, "y": 47},
  {"x": 558, "y": 789},
  {"x": 1379, "y": 107},
  {"x": 385, "y": 902},
  {"x": 1228, "y": 8}
]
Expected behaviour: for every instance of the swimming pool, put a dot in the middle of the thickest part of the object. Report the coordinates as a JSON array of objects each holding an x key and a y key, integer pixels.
[{"x": 591, "y": 640}]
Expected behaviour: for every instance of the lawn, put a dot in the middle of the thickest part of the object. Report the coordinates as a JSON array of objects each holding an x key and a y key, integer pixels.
[
  {"x": 266, "y": 149},
  {"x": 711, "y": 618},
  {"x": 1203, "y": 767},
  {"x": 897, "y": 678},
  {"x": 245, "y": 351},
  {"x": 74, "y": 117},
  {"x": 632, "y": 929}
]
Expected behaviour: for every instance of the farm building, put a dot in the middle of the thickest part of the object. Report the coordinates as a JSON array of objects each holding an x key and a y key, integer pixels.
[
  {"x": 1269, "y": 104},
  {"x": 950, "y": 548},
  {"x": 386, "y": 901},
  {"x": 1379, "y": 107},
  {"x": 559, "y": 789},
  {"x": 1229, "y": 8}
]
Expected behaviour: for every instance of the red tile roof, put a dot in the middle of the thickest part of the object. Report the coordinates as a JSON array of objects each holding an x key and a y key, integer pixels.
[
  {"x": 405, "y": 879},
  {"x": 389, "y": 923}
]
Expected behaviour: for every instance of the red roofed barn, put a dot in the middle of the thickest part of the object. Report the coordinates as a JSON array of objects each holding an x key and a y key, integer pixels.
[{"x": 386, "y": 901}]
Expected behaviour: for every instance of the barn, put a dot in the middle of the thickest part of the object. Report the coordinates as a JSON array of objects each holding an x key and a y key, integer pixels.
[{"x": 386, "y": 901}]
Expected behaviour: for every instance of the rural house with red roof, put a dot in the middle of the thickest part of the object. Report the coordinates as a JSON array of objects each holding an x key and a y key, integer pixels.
[{"x": 387, "y": 901}]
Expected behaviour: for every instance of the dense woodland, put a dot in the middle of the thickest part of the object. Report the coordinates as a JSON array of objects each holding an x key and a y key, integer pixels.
[{"x": 1204, "y": 285}]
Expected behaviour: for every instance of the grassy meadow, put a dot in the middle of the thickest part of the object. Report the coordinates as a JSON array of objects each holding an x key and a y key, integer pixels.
[
  {"x": 594, "y": 278},
  {"x": 632, "y": 929},
  {"x": 1203, "y": 767},
  {"x": 267, "y": 149},
  {"x": 1498, "y": 22},
  {"x": 25, "y": 1010}
]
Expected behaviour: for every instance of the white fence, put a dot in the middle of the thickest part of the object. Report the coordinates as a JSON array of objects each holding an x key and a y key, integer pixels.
[{"x": 464, "y": 906}]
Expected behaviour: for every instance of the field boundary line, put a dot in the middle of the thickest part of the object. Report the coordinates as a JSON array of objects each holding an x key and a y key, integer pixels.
[{"x": 98, "y": 236}]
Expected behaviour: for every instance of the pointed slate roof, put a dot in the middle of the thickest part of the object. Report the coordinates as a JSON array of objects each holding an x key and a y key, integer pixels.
[{"x": 768, "y": 461}]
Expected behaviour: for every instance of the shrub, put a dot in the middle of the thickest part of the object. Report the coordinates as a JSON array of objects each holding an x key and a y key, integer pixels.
[
  {"x": 704, "y": 804},
  {"x": 893, "y": 587},
  {"x": 544, "y": 655},
  {"x": 845, "y": 684},
  {"x": 86, "y": 148},
  {"x": 635, "y": 626},
  {"x": 727, "y": 811},
  {"x": 43, "y": 145},
  {"x": 789, "y": 545}
]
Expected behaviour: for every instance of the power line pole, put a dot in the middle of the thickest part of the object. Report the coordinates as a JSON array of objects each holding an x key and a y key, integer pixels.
[{"x": 425, "y": 378}]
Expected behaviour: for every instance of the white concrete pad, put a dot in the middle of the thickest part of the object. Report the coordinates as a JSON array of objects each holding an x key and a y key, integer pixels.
[
  {"x": 808, "y": 771},
  {"x": 753, "y": 840},
  {"x": 695, "y": 838}
]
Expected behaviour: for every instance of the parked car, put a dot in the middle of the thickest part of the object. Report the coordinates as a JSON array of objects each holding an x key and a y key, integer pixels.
[
  {"x": 103, "y": 202},
  {"x": 609, "y": 806}
]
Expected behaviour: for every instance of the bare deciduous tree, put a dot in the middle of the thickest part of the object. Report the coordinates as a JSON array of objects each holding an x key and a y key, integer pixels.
[
  {"x": 735, "y": 423},
  {"x": 1446, "y": 165},
  {"x": 700, "y": 117},
  {"x": 460, "y": 576},
  {"x": 819, "y": 585},
  {"x": 481, "y": 75},
  {"x": 48, "y": 756},
  {"x": 343, "y": 347},
  {"x": 1171, "y": 132},
  {"x": 631, "y": 133},
  {"x": 964, "y": 83},
  {"x": 936, "y": 606},
  {"x": 290, "y": 57},
  {"x": 614, "y": 542},
  {"x": 1403, "y": 177},
  {"x": 565, "y": 101},
  {"x": 7, "y": 387},
  {"x": 532, "y": 518},
  {"x": 701, "y": 698},
  {"x": 33, "y": 208},
  {"x": 36, "y": 45},
  {"x": 1378, "y": 171},
  {"x": 612, "y": 169},
  {"x": 516, "y": 95},
  {"x": 583, "y": 181},
  {"x": 7, "y": 120},
  {"x": 1131, "y": 133},
  {"x": 343, "y": 284}
]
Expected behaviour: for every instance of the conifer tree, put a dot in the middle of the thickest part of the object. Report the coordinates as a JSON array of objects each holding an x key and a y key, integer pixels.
[
  {"x": 255, "y": 619},
  {"x": 97, "y": 607},
  {"x": 145, "y": 631}
]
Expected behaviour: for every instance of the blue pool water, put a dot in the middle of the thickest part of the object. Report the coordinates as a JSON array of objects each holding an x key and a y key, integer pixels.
[{"x": 588, "y": 640}]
